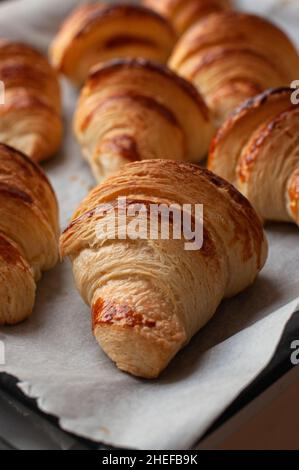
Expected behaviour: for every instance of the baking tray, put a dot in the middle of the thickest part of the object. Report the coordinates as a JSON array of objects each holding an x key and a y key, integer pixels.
[{"x": 24, "y": 427}]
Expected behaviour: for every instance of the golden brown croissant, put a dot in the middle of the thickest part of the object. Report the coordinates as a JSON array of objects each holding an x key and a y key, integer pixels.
[
  {"x": 95, "y": 33},
  {"x": 232, "y": 56},
  {"x": 257, "y": 149},
  {"x": 184, "y": 13},
  {"x": 132, "y": 109},
  {"x": 150, "y": 296},
  {"x": 28, "y": 232},
  {"x": 30, "y": 119}
]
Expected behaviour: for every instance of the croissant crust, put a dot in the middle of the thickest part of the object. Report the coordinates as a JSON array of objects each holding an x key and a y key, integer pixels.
[
  {"x": 149, "y": 297},
  {"x": 230, "y": 57},
  {"x": 30, "y": 118},
  {"x": 257, "y": 149},
  {"x": 184, "y": 13},
  {"x": 95, "y": 33},
  {"x": 133, "y": 109},
  {"x": 28, "y": 232}
]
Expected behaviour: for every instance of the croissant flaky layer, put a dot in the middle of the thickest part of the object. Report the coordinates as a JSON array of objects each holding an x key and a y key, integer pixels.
[
  {"x": 257, "y": 149},
  {"x": 133, "y": 109},
  {"x": 30, "y": 118},
  {"x": 232, "y": 56},
  {"x": 95, "y": 33},
  {"x": 150, "y": 296},
  {"x": 184, "y": 13},
  {"x": 28, "y": 232}
]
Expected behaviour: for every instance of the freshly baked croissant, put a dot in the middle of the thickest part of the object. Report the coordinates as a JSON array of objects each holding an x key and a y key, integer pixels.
[
  {"x": 184, "y": 13},
  {"x": 30, "y": 118},
  {"x": 132, "y": 109},
  {"x": 28, "y": 232},
  {"x": 232, "y": 56},
  {"x": 150, "y": 296},
  {"x": 95, "y": 33},
  {"x": 257, "y": 149}
]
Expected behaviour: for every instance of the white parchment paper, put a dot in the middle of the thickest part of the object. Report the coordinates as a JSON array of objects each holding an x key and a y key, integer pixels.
[{"x": 54, "y": 354}]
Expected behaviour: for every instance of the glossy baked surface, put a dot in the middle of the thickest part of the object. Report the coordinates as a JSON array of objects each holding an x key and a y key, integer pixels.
[
  {"x": 149, "y": 297},
  {"x": 30, "y": 118},
  {"x": 233, "y": 56},
  {"x": 95, "y": 33},
  {"x": 28, "y": 232},
  {"x": 257, "y": 149},
  {"x": 185, "y": 13},
  {"x": 134, "y": 109}
]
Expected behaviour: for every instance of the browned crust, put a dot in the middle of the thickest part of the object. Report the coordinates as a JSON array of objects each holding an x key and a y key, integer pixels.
[
  {"x": 202, "y": 10},
  {"x": 194, "y": 47},
  {"x": 242, "y": 83},
  {"x": 259, "y": 100},
  {"x": 216, "y": 56},
  {"x": 20, "y": 52},
  {"x": 237, "y": 16},
  {"x": 241, "y": 111},
  {"x": 127, "y": 40},
  {"x": 241, "y": 233},
  {"x": 21, "y": 71},
  {"x": 115, "y": 65},
  {"x": 15, "y": 48},
  {"x": 293, "y": 193},
  {"x": 200, "y": 40},
  {"x": 208, "y": 248},
  {"x": 15, "y": 193},
  {"x": 119, "y": 11},
  {"x": 171, "y": 7},
  {"x": 125, "y": 145},
  {"x": 106, "y": 312},
  {"x": 246, "y": 164},
  {"x": 208, "y": 245},
  {"x": 10, "y": 254},
  {"x": 145, "y": 101},
  {"x": 96, "y": 210},
  {"x": 25, "y": 163},
  {"x": 28, "y": 101},
  {"x": 184, "y": 167}
]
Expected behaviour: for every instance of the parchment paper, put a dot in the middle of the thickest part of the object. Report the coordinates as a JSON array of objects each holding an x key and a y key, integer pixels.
[{"x": 54, "y": 354}]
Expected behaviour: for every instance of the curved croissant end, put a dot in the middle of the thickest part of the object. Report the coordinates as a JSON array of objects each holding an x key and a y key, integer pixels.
[
  {"x": 185, "y": 13},
  {"x": 149, "y": 297},
  {"x": 28, "y": 232},
  {"x": 293, "y": 196},
  {"x": 257, "y": 149},
  {"x": 30, "y": 118},
  {"x": 230, "y": 57},
  {"x": 132, "y": 109},
  {"x": 95, "y": 33}
]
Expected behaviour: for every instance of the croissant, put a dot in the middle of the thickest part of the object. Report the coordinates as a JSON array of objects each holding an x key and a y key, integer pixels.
[
  {"x": 28, "y": 232},
  {"x": 132, "y": 109},
  {"x": 30, "y": 118},
  {"x": 185, "y": 13},
  {"x": 257, "y": 149},
  {"x": 231, "y": 57},
  {"x": 95, "y": 33},
  {"x": 149, "y": 296}
]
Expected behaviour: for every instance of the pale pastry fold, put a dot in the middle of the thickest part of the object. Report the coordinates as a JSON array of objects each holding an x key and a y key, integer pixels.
[
  {"x": 257, "y": 149},
  {"x": 95, "y": 33},
  {"x": 28, "y": 232},
  {"x": 232, "y": 56},
  {"x": 133, "y": 109},
  {"x": 150, "y": 296},
  {"x": 30, "y": 118},
  {"x": 185, "y": 13}
]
